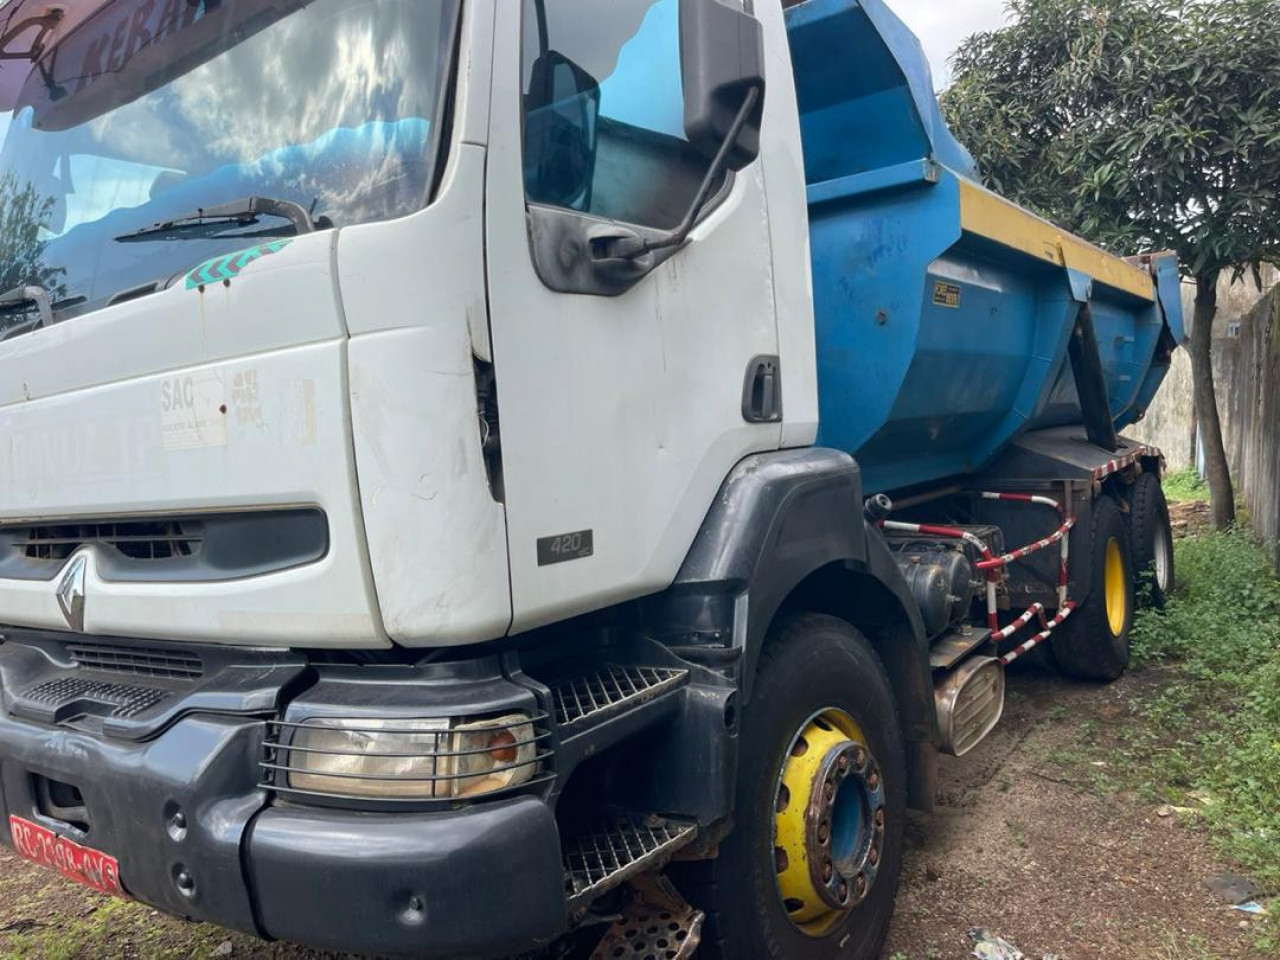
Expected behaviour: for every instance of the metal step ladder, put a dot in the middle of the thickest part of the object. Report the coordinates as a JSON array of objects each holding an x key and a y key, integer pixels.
[
  {"x": 592, "y": 698},
  {"x": 631, "y": 845}
]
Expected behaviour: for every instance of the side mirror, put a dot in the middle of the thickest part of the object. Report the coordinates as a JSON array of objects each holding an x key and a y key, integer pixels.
[
  {"x": 561, "y": 112},
  {"x": 722, "y": 59}
]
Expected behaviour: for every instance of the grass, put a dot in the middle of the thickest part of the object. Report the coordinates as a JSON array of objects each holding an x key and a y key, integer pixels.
[
  {"x": 1211, "y": 740},
  {"x": 1179, "y": 947},
  {"x": 1185, "y": 485},
  {"x": 109, "y": 926},
  {"x": 1018, "y": 831}
]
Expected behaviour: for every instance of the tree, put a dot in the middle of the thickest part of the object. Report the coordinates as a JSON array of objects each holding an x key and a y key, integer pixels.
[
  {"x": 23, "y": 214},
  {"x": 1143, "y": 125}
]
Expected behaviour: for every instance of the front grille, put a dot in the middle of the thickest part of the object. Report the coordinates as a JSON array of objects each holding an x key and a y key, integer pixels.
[
  {"x": 174, "y": 548},
  {"x": 136, "y": 539},
  {"x": 120, "y": 699},
  {"x": 137, "y": 661}
]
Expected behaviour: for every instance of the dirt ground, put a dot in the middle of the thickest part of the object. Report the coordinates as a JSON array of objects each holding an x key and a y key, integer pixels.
[
  {"x": 1190, "y": 517},
  {"x": 1031, "y": 840}
]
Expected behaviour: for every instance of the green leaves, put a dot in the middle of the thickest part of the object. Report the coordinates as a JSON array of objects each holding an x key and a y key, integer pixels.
[{"x": 1150, "y": 124}]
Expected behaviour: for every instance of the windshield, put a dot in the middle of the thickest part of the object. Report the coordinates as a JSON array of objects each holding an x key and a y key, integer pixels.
[{"x": 151, "y": 110}]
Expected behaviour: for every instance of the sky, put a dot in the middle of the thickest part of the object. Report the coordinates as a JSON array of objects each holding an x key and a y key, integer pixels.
[{"x": 942, "y": 24}]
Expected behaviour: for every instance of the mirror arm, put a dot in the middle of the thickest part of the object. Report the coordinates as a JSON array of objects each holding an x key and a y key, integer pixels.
[
  {"x": 636, "y": 247},
  {"x": 36, "y": 296}
]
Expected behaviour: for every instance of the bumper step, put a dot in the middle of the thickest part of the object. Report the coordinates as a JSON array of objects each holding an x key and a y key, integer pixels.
[
  {"x": 630, "y": 846},
  {"x": 590, "y": 699}
]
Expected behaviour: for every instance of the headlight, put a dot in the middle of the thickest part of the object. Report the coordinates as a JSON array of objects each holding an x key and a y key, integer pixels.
[{"x": 410, "y": 759}]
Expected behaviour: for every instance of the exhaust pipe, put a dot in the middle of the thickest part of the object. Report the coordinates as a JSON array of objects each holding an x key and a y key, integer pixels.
[{"x": 970, "y": 702}]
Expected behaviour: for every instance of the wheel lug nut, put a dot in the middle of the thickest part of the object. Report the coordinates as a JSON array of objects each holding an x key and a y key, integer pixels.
[
  {"x": 880, "y": 818},
  {"x": 827, "y": 872},
  {"x": 843, "y": 891},
  {"x": 824, "y": 832},
  {"x": 874, "y": 856},
  {"x": 873, "y": 781},
  {"x": 828, "y": 791},
  {"x": 860, "y": 885},
  {"x": 843, "y": 762}
]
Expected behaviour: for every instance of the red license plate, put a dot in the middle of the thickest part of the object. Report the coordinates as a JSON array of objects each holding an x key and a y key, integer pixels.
[{"x": 90, "y": 867}]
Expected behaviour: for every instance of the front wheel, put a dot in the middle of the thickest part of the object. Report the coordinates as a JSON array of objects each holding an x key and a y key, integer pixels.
[{"x": 810, "y": 871}]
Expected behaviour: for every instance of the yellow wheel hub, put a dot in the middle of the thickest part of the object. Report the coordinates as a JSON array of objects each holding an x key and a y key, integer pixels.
[
  {"x": 828, "y": 822},
  {"x": 1116, "y": 582}
]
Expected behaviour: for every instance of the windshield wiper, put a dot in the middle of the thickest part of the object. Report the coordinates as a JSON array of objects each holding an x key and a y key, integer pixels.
[{"x": 209, "y": 221}]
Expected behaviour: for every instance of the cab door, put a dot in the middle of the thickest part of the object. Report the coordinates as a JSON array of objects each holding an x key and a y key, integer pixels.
[{"x": 622, "y": 409}]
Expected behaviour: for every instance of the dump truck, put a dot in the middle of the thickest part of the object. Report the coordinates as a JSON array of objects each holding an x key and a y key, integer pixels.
[{"x": 480, "y": 477}]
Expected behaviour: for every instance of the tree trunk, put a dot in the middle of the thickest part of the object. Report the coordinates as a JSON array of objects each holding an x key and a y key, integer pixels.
[{"x": 1217, "y": 470}]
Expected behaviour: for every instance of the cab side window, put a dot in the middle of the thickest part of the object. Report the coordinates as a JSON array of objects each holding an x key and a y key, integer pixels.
[{"x": 604, "y": 110}]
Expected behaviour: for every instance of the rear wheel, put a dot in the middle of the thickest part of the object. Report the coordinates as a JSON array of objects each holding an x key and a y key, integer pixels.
[
  {"x": 811, "y": 868},
  {"x": 1152, "y": 538},
  {"x": 1093, "y": 643}
]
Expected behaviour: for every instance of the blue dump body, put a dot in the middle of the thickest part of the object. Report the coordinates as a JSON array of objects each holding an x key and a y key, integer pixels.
[{"x": 944, "y": 313}]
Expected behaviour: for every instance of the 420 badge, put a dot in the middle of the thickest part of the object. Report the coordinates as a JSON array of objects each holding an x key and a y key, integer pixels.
[{"x": 565, "y": 547}]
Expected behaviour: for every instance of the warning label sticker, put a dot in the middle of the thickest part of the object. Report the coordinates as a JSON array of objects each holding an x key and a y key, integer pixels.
[{"x": 946, "y": 295}]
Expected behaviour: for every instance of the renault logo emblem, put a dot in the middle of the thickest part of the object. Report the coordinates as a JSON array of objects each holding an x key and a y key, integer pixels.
[{"x": 71, "y": 593}]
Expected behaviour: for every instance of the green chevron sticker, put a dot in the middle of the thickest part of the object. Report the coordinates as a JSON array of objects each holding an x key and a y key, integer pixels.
[{"x": 225, "y": 268}]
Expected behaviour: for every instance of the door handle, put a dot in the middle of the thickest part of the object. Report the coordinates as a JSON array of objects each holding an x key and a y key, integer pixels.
[{"x": 762, "y": 393}]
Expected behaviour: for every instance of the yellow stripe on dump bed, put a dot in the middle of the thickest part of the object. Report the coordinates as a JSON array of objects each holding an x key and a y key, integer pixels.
[{"x": 985, "y": 214}]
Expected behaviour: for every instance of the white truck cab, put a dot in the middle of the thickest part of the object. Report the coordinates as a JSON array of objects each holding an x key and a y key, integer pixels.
[{"x": 240, "y": 369}]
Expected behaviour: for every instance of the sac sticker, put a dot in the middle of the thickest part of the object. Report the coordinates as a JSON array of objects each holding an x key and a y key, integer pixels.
[{"x": 193, "y": 412}]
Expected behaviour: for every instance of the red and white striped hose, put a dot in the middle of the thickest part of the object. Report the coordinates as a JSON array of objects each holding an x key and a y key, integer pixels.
[
  {"x": 1039, "y": 638},
  {"x": 1033, "y": 611},
  {"x": 991, "y": 565},
  {"x": 1058, "y": 536}
]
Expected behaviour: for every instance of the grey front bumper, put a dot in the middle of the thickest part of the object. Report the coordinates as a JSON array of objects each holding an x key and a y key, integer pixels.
[{"x": 197, "y": 836}]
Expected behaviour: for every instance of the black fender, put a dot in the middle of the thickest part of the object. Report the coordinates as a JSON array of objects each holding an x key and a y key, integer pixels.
[{"x": 783, "y": 523}]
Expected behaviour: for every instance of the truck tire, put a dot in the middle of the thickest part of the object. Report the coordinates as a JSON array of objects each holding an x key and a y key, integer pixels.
[
  {"x": 1152, "y": 537},
  {"x": 1093, "y": 643},
  {"x": 820, "y": 790}
]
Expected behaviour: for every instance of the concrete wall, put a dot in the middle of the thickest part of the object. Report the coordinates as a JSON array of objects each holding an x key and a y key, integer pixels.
[
  {"x": 1170, "y": 423},
  {"x": 1247, "y": 371},
  {"x": 1234, "y": 299},
  {"x": 1248, "y": 380}
]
